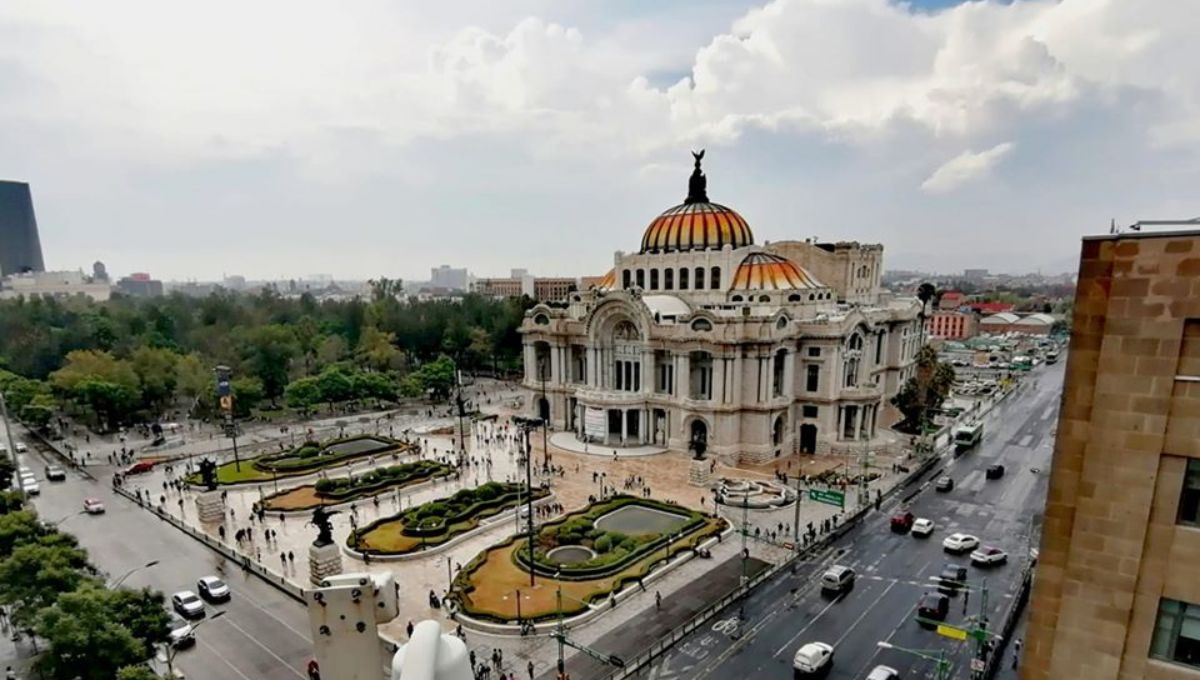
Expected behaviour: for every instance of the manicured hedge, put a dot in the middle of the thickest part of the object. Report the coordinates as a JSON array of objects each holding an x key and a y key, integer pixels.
[
  {"x": 310, "y": 454},
  {"x": 344, "y": 488}
]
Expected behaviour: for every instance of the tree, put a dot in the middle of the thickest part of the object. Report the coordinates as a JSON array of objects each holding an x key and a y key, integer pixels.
[
  {"x": 332, "y": 350},
  {"x": 247, "y": 393},
  {"x": 437, "y": 377},
  {"x": 377, "y": 349},
  {"x": 193, "y": 377},
  {"x": 136, "y": 673},
  {"x": 11, "y": 501},
  {"x": 84, "y": 365},
  {"x": 303, "y": 393},
  {"x": 268, "y": 351},
  {"x": 86, "y": 641},
  {"x": 335, "y": 385},
  {"x": 7, "y": 470},
  {"x": 143, "y": 612},
  {"x": 925, "y": 391},
  {"x": 378, "y": 386},
  {"x": 16, "y": 528},
  {"x": 39, "y": 412},
  {"x": 113, "y": 403},
  {"x": 36, "y": 573},
  {"x": 157, "y": 378}
]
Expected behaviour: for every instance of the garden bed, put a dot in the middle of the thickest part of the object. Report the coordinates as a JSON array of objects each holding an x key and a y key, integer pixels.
[
  {"x": 305, "y": 459},
  {"x": 346, "y": 489},
  {"x": 485, "y": 588},
  {"x": 440, "y": 521}
]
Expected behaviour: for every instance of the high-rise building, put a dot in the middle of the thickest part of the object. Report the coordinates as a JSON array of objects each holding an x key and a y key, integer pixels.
[
  {"x": 450, "y": 278},
  {"x": 1117, "y": 587},
  {"x": 20, "y": 248}
]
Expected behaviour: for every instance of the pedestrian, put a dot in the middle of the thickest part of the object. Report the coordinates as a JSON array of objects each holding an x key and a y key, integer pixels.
[
  {"x": 221, "y": 532},
  {"x": 291, "y": 557},
  {"x": 10, "y": 674},
  {"x": 529, "y": 667},
  {"x": 283, "y": 559},
  {"x": 966, "y": 599},
  {"x": 658, "y": 600},
  {"x": 409, "y": 628},
  {"x": 1016, "y": 653}
]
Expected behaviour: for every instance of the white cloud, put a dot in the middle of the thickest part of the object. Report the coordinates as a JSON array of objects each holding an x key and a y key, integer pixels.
[{"x": 965, "y": 168}]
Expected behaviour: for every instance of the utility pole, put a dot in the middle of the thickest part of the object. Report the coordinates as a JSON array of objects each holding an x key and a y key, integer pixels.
[
  {"x": 225, "y": 400},
  {"x": 462, "y": 412},
  {"x": 526, "y": 424},
  {"x": 796, "y": 521},
  {"x": 545, "y": 417},
  {"x": 745, "y": 534},
  {"x": 12, "y": 447}
]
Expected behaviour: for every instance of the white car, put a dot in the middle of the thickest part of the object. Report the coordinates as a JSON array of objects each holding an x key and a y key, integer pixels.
[
  {"x": 93, "y": 506},
  {"x": 213, "y": 589},
  {"x": 883, "y": 673},
  {"x": 960, "y": 543},
  {"x": 987, "y": 556},
  {"x": 21, "y": 448},
  {"x": 180, "y": 633},
  {"x": 187, "y": 604},
  {"x": 813, "y": 658},
  {"x": 922, "y": 526}
]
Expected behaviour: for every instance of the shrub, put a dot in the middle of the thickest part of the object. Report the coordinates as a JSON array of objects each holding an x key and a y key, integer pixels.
[
  {"x": 324, "y": 485},
  {"x": 308, "y": 452},
  {"x": 603, "y": 544},
  {"x": 489, "y": 491}
]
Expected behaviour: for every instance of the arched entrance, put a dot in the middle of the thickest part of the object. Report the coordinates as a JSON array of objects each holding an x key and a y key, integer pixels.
[
  {"x": 808, "y": 438},
  {"x": 544, "y": 409},
  {"x": 698, "y": 437}
]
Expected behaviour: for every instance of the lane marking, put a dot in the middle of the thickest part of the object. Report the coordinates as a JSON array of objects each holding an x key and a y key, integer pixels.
[
  {"x": 216, "y": 653},
  {"x": 264, "y": 610},
  {"x": 265, "y": 648},
  {"x": 863, "y": 615},
  {"x": 807, "y": 626}
]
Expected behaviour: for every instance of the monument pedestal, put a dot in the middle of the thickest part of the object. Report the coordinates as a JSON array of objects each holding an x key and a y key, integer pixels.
[
  {"x": 324, "y": 561},
  {"x": 700, "y": 473},
  {"x": 210, "y": 507}
]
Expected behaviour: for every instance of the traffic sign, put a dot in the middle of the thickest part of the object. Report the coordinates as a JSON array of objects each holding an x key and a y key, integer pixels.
[
  {"x": 828, "y": 497},
  {"x": 952, "y": 632},
  {"x": 978, "y": 665}
]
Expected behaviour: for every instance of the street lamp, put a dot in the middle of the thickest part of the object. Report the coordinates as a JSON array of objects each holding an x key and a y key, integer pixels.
[
  {"x": 129, "y": 573},
  {"x": 980, "y": 633},
  {"x": 172, "y": 651},
  {"x": 60, "y": 520},
  {"x": 937, "y": 656}
]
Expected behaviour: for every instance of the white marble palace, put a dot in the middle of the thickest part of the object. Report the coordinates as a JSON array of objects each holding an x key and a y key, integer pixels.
[{"x": 704, "y": 336}]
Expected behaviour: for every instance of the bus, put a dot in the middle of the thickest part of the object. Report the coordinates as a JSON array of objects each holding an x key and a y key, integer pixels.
[
  {"x": 966, "y": 436},
  {"x": 1052, "y": 356}
]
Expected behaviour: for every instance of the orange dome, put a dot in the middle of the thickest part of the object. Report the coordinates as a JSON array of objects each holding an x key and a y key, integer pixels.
[
  {"x": 767, "y": 271},
  {"x": 696, "y": 226}
]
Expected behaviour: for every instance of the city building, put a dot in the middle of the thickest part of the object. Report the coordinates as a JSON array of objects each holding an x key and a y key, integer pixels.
[
  {"x": 986, "y": 308},
  {"x": 450, "y": 278},
  {"x": 1116, "y": 594},
  {"x": 1009, "y": 322},
  {"x": 976, "y": 274},
  {"x": 542, "y": 289},
  {"x": 99, "y": 271},
  {"x": 851, "y": 270},
  {"x": 139, "y": 284},
  {"x": 703, "y": 336},
  {"x": 20, "y": 247},
  {"x": 553, "y": 288},
  {"x": 53, "y": 284},
  {"x": 951, "y": 300},
  {"x": 505, "y": 287},
  {"x": 951, "y": 325}
]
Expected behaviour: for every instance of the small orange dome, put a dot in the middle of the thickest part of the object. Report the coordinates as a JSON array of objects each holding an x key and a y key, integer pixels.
[
  {"x": 767, "y": 271},
  {"x": 696, "y": 226}
]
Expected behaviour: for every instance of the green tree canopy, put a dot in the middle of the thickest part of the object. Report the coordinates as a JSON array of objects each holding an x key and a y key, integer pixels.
[{"x": 86, "y": 641}]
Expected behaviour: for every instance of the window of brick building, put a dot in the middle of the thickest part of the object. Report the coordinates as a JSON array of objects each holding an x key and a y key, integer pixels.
[
  {"x": 1177, "y": 633},
  {"x": 1189, "y": 498}
]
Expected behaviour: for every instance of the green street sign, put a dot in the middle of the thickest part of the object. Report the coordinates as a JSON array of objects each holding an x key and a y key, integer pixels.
[{"x": 828, "y": 497}]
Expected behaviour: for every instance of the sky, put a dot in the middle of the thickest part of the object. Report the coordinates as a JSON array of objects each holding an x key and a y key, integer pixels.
[{"x": 285, "y": 138}]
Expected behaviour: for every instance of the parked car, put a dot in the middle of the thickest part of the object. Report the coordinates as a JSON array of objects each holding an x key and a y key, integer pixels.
[
  {"x": 988, "y": 556},
  {"x": 180, "y": 632},
  {"x": 960, "y": 543},
  {"x": 837, "y": 578},
  {"x": 994, "y": 472},
  {"x": 213, "y": 589},
  {"x": 883, "y": 673},
  {"x": 902, "y": 522},
  {"x": 55, "y": 474},
  {"x": 140, "y": 467},
  {"x": 93, "y": 506},
  {"x": 933, "y": 607},
  {"x": 187, "y": 604},
  {"x": 953, "y": 577},
  {"x": 944, "y": 483},
  {"x": 812, "y": 659},
  {"x": 922, "y": 527}
]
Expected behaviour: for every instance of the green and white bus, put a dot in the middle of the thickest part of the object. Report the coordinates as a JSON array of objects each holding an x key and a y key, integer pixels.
[{"x": 967, "y": 436}]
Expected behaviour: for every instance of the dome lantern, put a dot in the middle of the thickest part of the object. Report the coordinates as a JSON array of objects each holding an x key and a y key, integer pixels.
[{"x": 697, "y": 223}]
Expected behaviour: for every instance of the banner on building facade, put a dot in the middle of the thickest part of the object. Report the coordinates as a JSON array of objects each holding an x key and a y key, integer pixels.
[{"x": 595, "y": 423}]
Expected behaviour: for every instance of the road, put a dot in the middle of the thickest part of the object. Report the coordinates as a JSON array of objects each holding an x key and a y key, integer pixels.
[
  {"x": 894, "y": 569},
  {"x": 263, "y": 634}
]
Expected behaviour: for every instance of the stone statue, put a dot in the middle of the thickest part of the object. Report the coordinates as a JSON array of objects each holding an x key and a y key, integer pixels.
[
  {"x": 321, "y": 519},
  {"x": 208, "y": 474},
  {"x": 698, "y": 446},
  {"x": 697, "y": 183}
]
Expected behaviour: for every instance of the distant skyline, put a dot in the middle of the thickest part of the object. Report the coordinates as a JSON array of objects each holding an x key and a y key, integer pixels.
[{"x": 370, "y": 138}]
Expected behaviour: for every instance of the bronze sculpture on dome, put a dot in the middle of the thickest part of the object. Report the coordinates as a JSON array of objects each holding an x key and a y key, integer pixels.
[{"x": 697, "y": 183}]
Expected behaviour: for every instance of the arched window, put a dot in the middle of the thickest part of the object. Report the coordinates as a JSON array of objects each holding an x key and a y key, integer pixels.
[
  {"x": 764, "y": 298},
  {"x": 669, "y": 279},
  {"x": 625, "y": 278},
  {"x": 794, "y": 298},
  {"x": 699, "y": 278},
  {"x": 683, "y": 278},
  {"x": 653, "y": 279},
  {"x": 856, "y": 342},
  {"x": 736, "y": 298},
  {"x": 714, "y": 279},
  {"x": 702, "y": 325},
  {"x": 641, "y": 278}
]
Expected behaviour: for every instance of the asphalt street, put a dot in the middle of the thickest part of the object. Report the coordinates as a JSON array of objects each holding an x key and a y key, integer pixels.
[
  {"x": 263, "y": 634},
  {"x": 894, "y": 570}
]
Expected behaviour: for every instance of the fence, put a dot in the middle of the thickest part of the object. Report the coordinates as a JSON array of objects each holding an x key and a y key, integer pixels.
[{"x": 1010, "y": 624}]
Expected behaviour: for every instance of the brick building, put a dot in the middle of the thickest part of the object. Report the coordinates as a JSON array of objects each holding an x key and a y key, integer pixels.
[
  {"x": 1117, "y": 589},
  {"x": 951, "y": 325}
]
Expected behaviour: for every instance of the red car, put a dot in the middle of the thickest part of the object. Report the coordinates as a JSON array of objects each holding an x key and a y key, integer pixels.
[
  {"x": 902, "y": 522},
  {"x": 139, "y": 468}
]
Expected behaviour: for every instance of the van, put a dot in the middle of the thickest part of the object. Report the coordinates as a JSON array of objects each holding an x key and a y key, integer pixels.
[{"x": 837, "y": 578}]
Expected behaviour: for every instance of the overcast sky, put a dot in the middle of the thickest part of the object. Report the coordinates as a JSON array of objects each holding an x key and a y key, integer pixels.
[{"x": 281, "y": 138}]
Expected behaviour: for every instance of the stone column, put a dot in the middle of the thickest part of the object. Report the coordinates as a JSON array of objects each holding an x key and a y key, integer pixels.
[
  {"x": 858, "y": 419},
  {"x": 209, "y": 507},
  {"x": 789, "y": 373},
  {"x": 841, "y": 413},
  {"x": 738, "y": 370},
  {"x": 530, "y": 363},
  {"x": 323, "y": 561},
  {"x": 720, "y": 393},
  {"x": 700, "y": 473},
  {"x": 624, "y": 428}
]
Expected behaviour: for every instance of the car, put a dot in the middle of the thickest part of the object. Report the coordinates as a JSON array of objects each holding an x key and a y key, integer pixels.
[
  {"x": 188, "y": 605},
  {"x": 902, "y": 522},
  {"x": 944, "y": 483},
  {"x": 93, "y": 506},
  {"x": 180, "y": 632},
  {"x": 933, "y": 607},
  {"x": 988, "y": 556},
  {"x": 21, "y": 448},
  {"x": 960, "y": 543},
  {"x": 953, "y": 577},
  {"x": 883, "y": 673},
  {"x": 811, "y": 659},
  {"x": 55, "y": 474},
  {"x": 140, "y": 467},
  {"x": 922, "y": 527},
  {"x": 31, "y": 488},
  {"x": 994, "y": 472},
  {"x": 213, "y": 589},
  {"x": 837, "y": 578}
]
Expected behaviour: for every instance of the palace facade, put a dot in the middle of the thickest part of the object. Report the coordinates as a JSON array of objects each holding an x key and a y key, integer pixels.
[{"x": 703, "y": 337}]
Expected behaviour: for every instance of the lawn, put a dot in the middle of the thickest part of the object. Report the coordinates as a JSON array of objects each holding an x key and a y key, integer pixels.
[
  {"x": 344, "y": 489},
  {"x": 305, "y": 459},
  {"x": 486, "y": 588},
  {"x": 439, "y": 521}
]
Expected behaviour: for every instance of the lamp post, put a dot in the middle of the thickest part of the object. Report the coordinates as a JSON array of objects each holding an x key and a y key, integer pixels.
[
  {"x": 129, "y": 573},
  {"x": 544, "y": 416},
  {"x": 171, "y": 650},
  {"x": 937, "y": 656},
  {"x": 225, "y": 401},
  {"x": 61, "y": 520},
  {"x": 980, "y": 632},
  {"x": 526, "y": 424}
]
